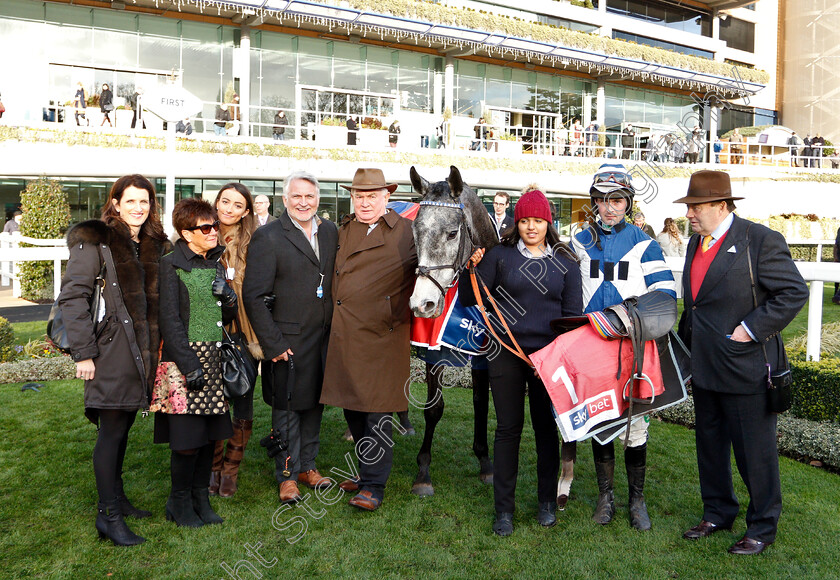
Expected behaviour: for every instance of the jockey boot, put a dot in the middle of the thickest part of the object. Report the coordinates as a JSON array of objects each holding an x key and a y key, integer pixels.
[
  {"x": 216, "y": 470},
  {"x": 233, "y": 456},
  {"x": 604, "y": 456},
  {"x": 635, "y": 459},
  {"x": 111, "y": 525}
]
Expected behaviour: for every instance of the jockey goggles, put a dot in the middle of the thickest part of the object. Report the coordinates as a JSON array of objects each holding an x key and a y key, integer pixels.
[{"x": 612, "y": 179}]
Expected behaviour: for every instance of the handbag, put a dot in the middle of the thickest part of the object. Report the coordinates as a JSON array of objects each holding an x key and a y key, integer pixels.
[
  {"x": 109, "y": 107},
  {"x": 780, "y": 381},
  {"x": 239, "y": 370},
  {"x": 56, "y": 328}
]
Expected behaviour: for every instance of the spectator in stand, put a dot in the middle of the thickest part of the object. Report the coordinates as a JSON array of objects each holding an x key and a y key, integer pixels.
[
  {"x": 628, "y": 142},
  {"x": 440, "y": 133},
  {"x": 591, "y": 138},
  {"x": 184, "y": 127},
  {"x": 807, "y": 152},
  {"x": 577, "y": 138},
  {"x": 695, "y": 145},
  {"x": 736, "y": 147},
  {"x": 136, "y": 103},
  {"x": 222, "y": 119},
  {"x": 835, "y": 160},
  {"x": 561, "y": 137},
  {"x": 352, "y": 128},
  {"x": 80, "y": 103},
  {"x": 235, "y": 116},
  {"x": 280, "y": 123},
  {"x": 106, "y": 104},
  {"x": 13, "y": 225},
  {"x": 718, "y": 147},
  {"x": 480, "y": 130},
  {"x": 817, "y": 144},
  {"x": 394, "y": 133},
  {"x": 793, "y": 143}
]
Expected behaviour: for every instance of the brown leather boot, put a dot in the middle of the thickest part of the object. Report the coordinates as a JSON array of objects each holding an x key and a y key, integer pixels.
[
  {"x": 216, "y": 471},
  {"x": 233, "y": 456}
]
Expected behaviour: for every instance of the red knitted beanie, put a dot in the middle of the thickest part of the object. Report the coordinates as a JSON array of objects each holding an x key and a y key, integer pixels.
[{"x": 532, "y": 204}]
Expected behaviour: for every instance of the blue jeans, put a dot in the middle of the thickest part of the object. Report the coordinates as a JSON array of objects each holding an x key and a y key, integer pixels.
[
  {"x": 279, "y": 137},
  {"x": 220, "y": 131}
]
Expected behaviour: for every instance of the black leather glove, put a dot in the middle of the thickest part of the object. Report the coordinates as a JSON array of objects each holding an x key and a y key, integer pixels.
[
  {"x": 223, "y": 292},
  {"x": 195, "y": 380},
  {"x": 269, "y": 301}
]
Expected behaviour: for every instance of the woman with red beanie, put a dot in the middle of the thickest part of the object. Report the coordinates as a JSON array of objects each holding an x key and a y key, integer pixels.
[{"x": 534, "y": 277}]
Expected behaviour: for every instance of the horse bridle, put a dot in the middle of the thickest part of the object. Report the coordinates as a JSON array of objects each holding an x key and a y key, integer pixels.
[{"x": 461, "y": 259}]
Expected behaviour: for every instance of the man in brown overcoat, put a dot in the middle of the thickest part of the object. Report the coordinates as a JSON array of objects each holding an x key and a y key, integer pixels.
[{"x": 368, "y": 356}]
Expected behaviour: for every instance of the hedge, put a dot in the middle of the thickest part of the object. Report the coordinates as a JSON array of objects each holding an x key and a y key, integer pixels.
[
  {"x": 61, "y": 368},
  {"x": 816, "y": 390},
  {"x": 7, "y": 340}
]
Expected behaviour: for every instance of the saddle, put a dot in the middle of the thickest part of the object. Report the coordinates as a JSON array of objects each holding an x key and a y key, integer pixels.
[{"x": 639, "y": 319}]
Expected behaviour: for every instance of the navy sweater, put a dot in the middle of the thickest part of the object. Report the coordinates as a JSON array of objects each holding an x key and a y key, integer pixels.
[{"x": 530, "y": 292}]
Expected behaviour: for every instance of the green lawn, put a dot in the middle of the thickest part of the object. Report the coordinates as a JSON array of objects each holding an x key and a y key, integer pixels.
[
  {"x": 26, "y": 331},
  {"x": 47, "y": 499}
]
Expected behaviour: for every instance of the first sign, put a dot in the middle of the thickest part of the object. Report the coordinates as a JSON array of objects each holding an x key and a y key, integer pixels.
[{"x": 172, "y": 103}]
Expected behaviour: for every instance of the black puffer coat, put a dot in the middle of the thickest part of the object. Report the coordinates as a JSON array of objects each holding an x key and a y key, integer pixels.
[{"x": 124, "y": 346}]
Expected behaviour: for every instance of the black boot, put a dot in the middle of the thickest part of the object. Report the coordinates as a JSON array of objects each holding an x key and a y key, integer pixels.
[
  {"x": 179, "y": 506},
  {"x": 126, "y": 508},
  {"x": 635, "y": 460},
  {"x": 200, "y": 491},
  {"x": 503, "y": 526},
  {"x": 110, "y": 524},
  {"x": 604, "y": 456},
  {"x": 545, "y": 515}
]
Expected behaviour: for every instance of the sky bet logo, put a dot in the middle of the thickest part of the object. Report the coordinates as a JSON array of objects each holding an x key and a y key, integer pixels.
[
  {"x": 476, "y": 329},
  {"x": 578, "y": 421}
]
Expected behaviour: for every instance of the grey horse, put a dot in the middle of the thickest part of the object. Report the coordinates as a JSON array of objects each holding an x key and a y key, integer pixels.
[{"x": 450, "y": 224}]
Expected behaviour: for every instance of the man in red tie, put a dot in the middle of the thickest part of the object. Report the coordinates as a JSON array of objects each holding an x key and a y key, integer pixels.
[{"x": 734, "y": 336}]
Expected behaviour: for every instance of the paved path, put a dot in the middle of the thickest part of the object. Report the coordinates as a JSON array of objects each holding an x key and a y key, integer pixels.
[{"x": 19, "y": 310}]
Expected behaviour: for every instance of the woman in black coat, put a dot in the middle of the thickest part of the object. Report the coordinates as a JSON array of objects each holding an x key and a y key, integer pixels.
[
  {"x": 508, "y": 271},
  {"x": 106, "y": 104},
  {"x": 116, "y": 354},
  {"x": 188, "y": 399}
]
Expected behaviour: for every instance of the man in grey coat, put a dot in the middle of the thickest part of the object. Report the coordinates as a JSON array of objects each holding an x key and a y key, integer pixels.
[{"x": 294, "y": 259}]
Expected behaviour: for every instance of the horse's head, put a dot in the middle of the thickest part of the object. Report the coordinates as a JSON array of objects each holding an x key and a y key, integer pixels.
[{"x": 442, "y": 238}]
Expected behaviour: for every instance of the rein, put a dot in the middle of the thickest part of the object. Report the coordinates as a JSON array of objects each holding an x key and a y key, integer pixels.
[
  {"x": 461, "y": 259},
  {"x": 516, "y": 349}
]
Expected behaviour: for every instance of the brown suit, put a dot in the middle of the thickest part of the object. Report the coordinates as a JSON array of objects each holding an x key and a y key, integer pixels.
[{"x": 368, "y": 355}]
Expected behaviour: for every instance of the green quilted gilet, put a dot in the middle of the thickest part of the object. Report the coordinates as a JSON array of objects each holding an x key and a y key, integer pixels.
[{"x": 205, "y": 312}]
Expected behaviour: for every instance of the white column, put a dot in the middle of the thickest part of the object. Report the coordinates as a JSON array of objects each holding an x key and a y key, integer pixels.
[
  {"x": 812, "y": 348},
  {"x": 171, "y": 160},
  {"x": 245, "y": 81},
  {"x": 449, "y": 83},
  {"x": 600, "y": 104}
]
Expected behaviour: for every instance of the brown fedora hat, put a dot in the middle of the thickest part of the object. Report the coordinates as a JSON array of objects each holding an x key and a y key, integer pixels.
[
  {"x": 368, "y": 178},
  {"x": 705, "y": 186}
]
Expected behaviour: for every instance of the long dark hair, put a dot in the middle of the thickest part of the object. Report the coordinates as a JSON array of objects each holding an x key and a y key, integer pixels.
[
  {"x": 511, "y": 237},
  {"x": 152, "y": 226},
  {"x": 247, "y": 225}
]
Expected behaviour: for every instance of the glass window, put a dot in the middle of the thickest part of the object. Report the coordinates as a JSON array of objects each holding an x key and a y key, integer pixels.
[
  {"x": 116, "y": 20},
  {"x": 115, "y": 48},
  {"x": 469, "y": 89},
  {"x": 160, "y": 45},
  {"x": 381, "y": 74},
  {"x": 415, "y": 82},
  {"x": 68, "y": 15},
  {"x": 201, "y": 62},
  {"x": 27, "y": 10},
  {"x": 498, "y": 86},
  {"x": 522, "y": 89},
  {"x": 738, "y": 34},
  {"x": 348, "y": 69}
]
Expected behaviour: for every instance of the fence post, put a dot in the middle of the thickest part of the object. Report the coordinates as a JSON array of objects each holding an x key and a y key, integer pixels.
[
  {"x": 56, "y": 278},
  {"x": 815, "y": 303}
]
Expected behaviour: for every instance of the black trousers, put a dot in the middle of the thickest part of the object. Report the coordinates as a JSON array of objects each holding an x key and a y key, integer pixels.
[
  {"x": 373, "y": 437},
  {"x": 509, "y": 376},
  {"x": 744, "y": 424},
  {"x": 303, "y": 437}
]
